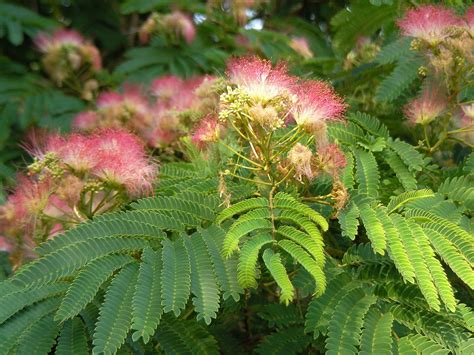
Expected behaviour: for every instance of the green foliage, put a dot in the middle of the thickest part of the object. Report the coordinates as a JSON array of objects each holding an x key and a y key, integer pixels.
[
  {"x": 259, "y": 223},
  {"x": 18, "y": 20},
  {"x": 212, "y": 263}
]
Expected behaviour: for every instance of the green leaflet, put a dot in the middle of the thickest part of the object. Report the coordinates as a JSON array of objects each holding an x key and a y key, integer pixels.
[
  {"x": 175, "y": 276},
  {"x": 246, "y": 269},
  {"x": 87, "y": 283},
  {"x": 116, "y": 312},
  {"x": 73, "y": 339},
  {"x": 204, "y": 285},
  {"x": 277, "y": 270},
  {"x": 146, "y": 301}
]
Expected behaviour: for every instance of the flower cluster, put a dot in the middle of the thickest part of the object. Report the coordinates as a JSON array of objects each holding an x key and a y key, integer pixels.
[
  {"x": 447, "y": 42},
  {"x": 159, "y": 115},
  {"x": 426, "y": 108},
  {"x": 176, "y": 25},
  {"x": 282, "y": 120},
  {"x": 73, "y": 178},
  {"x": 69, "y": 57}
]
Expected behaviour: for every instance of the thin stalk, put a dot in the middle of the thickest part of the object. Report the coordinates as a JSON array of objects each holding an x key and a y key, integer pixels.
[{"x": 240, "y": 155}]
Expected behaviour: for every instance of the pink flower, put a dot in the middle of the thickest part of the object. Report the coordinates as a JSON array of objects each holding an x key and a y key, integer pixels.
[
  {"x": 182, "y": 24},
  {"x": 123, "y": 162},
  {"x": 331, "y": 158},
  {"x": 175, "y": 93},
  {"x": 469, "y": 19},
  {"x": 29, "y": 198},
  {"x": 61, "y": 37},
  {"x": 317, "y": 102},
  {"x": 208, "y": 130},
  {"x": 85, "y": 121},
  {"x": 428, "y": 22},
  {"x": 109, "y": 98},
  {"x": 167, "y": 87},
  {"x": 77, "y": 151},
  {"x": 300, "y": 45},
  {"x": 425, "y": 108},
  {"x": 259, "y": 79}
]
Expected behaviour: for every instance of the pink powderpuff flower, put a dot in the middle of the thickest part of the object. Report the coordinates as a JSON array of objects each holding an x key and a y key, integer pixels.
[
  {"x": 167, "y": 87},
  {"x": 317, "y": 102},
  {"x": 29, "y": 198},
  {"x": 109, "y": 98},
  {"x": 85, "y": 121},
  {"x": 469, "y": 20},
  {"x": 175, "y": 93},
  {"x": 208, "y": 130},
  {"x": 428, "y": 22},
  {"x": 123, "y": 162},
  {"x": 331, "y": 158},
  {"x": 76, "y": 151},
  {"x": 259, "y": 79},
  {"x": 426, "y": 108},
  {"x": 61, "y": 37},
  {"x": 182, "y": 24},
  {"x": 300, "y": 45}
]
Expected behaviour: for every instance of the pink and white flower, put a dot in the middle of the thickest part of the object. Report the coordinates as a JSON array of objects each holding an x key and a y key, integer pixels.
[
  {"x": 426, "y": 108},
  {"x": 123, "y": 162},
  {"x": 209, "y": 130},
  {"x": 259, "y": 79},
  {"x": 317, "y": 103},
  {"x": 428, "y": 22}
]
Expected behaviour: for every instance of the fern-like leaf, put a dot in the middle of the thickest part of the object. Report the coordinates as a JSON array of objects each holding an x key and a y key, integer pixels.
[
  {"x": 405, "y": 176},
  {"x": 345, "y": 326},
  {"x": 419, "y": 344},
  {"x": 40, "y": 337},
  {"x": 185, "y": 337},
  {"x": 73, "y": 339},
  {"x": 284, "y": 341},
  {"x": 240, "y": 207},
  {"x": 72, "y": 257},
  {"x": 226, "y": 270},
  {"x": 239, "y": 230},
  {"x": 303, "y": 258},
  {"x": 146, "y": 302},
  {"x": 377, "y": 334},
  {"x": 277, "y": 270},
  {"x": 116, "y": 312},
  {"x": 405, "y": 72},
  {"x": 367, "y": 172},
  {"x": 397, "y": 202},
  {"x": 285, "y": 201},
  {"x": 349, "y": 220},
  {"x": 410, "y": 156},
  {"x": 248, "y": 257},
  {"x": 87, "y": 283},
  {"x": 203, "y": 280},
  {"x": 374, "y": 228},
  {"x": 415, "y": 255},
  {"x": 175, "y": 276},
  {"x": 438, "y": 275}
]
